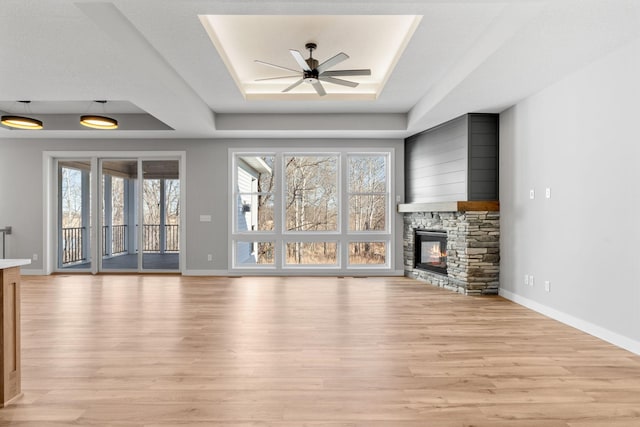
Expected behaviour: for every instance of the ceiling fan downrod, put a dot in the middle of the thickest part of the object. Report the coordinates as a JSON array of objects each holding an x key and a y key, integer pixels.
[{"x": 311, "y": 76}]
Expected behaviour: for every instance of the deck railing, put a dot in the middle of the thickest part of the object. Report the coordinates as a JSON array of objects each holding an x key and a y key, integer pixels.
[
  {"x": 118, "y": 240},
  {"x": 72, "y": 244},
  {"x": 151, "y": 238},
  {"x": 73, "y": 238}
]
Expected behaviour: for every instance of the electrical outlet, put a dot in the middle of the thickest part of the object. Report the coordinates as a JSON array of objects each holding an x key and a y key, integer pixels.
[
  {"x": 209, "y": 257},
  {"x": 532, "y": 194},
  {"x": 531, "y": 280},
  {"x": 547, "y": 286},
  {"x": 526, "y": 279},
  {"x": 35, "y": 257}
]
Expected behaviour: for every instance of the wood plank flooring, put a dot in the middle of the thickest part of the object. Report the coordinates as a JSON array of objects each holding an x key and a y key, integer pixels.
[{"x": 320, "y": 352}]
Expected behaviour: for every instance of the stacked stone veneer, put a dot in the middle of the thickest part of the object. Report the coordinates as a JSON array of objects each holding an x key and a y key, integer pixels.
[{"x": 473, "y": 250}]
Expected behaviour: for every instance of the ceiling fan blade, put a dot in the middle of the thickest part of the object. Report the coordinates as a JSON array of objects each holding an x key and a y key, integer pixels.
[
  {"x": 328, "y": 79},
  {"x": 293, "y": 85},
  {"x": 335, "y": 60},
  {"x": 276, "y": 78},
  {"x": 318, "y": 87},
  {"x": 300, "y": 60},
  {"x": 347, "y": 73},
  {"x": 276, "y": 66}
]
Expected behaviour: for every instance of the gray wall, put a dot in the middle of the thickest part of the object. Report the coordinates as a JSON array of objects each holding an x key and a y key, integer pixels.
[
  {"x": 483, "y": 156},
  {"x": 579, "y": 138},
  {"x": 21, "y": 189}
]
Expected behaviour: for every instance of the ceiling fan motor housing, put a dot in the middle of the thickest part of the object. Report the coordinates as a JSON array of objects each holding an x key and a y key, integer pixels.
[
  {"x": 311, "y": 76},
  {"x": 312, "y": 63}
]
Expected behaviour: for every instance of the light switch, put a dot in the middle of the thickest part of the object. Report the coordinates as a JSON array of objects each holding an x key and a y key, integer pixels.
[
  {"x": 532, "y": 194},
  {"x": 547, "y": 193}
]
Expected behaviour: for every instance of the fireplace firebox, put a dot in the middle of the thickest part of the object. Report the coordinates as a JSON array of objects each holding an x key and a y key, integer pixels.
[{"x": 431, "y": 250}]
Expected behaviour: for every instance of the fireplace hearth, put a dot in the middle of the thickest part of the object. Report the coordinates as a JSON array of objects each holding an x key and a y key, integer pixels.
[{"x": 431, "y": 250}]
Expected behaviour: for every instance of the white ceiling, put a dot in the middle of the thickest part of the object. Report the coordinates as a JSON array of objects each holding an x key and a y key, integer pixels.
[{"x": 156, "y": 59}]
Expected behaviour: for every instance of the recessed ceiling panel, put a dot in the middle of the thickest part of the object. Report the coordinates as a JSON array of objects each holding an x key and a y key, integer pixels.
[
  {"x": 65, "y": 115},
  {"x": 373, "y": 42}
]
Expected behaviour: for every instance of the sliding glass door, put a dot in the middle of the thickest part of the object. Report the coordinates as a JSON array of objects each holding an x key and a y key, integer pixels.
[
  {"x": 119, "y": 213},
  {"x": 137, "y": 221},
  {"x": 74, "y": 215},
  {"x": 160, "y": 215}
]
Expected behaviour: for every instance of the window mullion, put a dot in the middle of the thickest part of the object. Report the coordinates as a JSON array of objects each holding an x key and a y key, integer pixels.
[
  {"x": 343, "y": 198},
  {"x": 278, "y": 207}
]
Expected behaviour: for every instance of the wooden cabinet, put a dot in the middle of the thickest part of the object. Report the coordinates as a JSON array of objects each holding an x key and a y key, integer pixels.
[{"x": 10, "y": 357}]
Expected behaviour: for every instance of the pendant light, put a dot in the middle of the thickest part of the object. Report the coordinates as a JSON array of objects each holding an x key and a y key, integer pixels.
[
  {"x": 98, "y": 122},
  {"x": 21, "y": 122}
]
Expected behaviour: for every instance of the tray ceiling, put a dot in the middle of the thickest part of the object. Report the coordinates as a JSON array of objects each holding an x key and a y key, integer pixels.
[
  {"x": 374, "y": 42},
  {"x": 155, "y": 55}
]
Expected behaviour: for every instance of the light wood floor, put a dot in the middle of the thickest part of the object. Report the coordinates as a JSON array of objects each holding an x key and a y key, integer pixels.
[{"x": 322, "y": 352}]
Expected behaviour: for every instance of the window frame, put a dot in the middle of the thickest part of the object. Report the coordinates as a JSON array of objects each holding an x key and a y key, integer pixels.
[
  {"x": 343, "y": 236},
  {"x": 237, "y": 193},
  {"x": 283, "y": 199},
  {"x": 386, "y": 193}
]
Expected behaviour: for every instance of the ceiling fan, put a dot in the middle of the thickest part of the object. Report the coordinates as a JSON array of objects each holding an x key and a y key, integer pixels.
[{"x": 313, "y": 73}]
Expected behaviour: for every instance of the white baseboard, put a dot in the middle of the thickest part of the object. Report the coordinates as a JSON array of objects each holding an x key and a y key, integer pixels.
[
  {"x": 290, "y": 273},
  {"x": 580, "y": 324},
  {"x": 32, "y": 272},
  {"x": 206, "y": 273}
]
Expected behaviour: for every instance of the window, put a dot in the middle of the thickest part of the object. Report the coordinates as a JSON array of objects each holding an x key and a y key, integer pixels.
[
  {"x": 368, "y": 202},
  {"x": 311, "y": 210},
  {"x": 255, "y": 187},
  {"x": 250, "y": 253},
  {"x": 311, "y": 253},
  {"x": 367, "y": 193},
  {"x": 311, "y": 193},
  {"x": 367, "y": 253}
]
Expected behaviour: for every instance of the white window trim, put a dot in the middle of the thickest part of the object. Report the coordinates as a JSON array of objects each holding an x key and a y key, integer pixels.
[{"x": 343, "y": 236}]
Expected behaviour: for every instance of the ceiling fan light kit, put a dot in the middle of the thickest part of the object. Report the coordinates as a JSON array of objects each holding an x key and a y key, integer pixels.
[{"x": 313, "y": 72}]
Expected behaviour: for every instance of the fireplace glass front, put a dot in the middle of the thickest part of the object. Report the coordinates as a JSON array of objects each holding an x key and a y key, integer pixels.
[{"x": 431, "y": 251}]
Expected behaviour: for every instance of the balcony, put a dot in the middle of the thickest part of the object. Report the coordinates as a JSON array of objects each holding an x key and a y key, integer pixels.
[{"x": 161, "y": 247}]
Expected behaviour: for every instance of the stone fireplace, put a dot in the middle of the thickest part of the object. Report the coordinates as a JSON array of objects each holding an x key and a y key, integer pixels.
[
  {"x": 472, "y": 253},
  {"x": 451, "y": 186}
]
